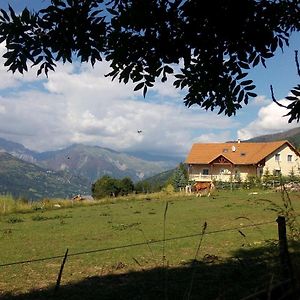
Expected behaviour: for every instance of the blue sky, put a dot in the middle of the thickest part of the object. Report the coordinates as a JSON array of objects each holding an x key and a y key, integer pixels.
[{"x": 77, "y": 104}]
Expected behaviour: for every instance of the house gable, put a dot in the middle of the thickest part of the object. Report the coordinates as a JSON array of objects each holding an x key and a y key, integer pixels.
[{"x": 221, "y": 160}]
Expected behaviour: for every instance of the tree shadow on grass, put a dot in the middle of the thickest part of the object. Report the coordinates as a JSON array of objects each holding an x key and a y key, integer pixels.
[{"x": 248, "y": 270}]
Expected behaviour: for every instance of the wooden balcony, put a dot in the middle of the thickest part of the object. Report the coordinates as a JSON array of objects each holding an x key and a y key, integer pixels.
[{"x": 204, "y": 178}]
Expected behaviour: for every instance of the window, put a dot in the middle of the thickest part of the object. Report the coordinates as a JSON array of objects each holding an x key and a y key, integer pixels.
[
  {"x": 289, "y": 157},
  {"x": 225, "y": 150},
  {"x": 237, "y": 175},
  {"x": 276, "y": 172},
  {"x": 277, "y": 157},
  {"x": 243, "y": 153},
  {"x": 205, "y": 172}
]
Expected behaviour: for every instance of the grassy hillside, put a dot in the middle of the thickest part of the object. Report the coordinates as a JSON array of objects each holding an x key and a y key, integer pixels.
[
  {"x": 157, "y": 182},
  {"x": 292, "y": 136},
  {"x": 23, "y": 179},
  {"x": 234, "y": 260}
]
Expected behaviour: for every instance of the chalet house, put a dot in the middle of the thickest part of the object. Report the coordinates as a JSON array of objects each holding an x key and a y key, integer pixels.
[{"x": 234, "y": 161}]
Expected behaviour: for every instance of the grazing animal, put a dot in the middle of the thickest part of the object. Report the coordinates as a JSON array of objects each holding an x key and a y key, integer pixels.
[
  {"x": 203, "y": 187},
  {"x": 77, "y": 198}
]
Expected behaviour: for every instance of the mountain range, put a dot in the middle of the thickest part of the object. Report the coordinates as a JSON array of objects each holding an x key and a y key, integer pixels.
[
  {"x": 70, "y": 171},
  {"x": 27, "y": 180},
  {"x": 68, "y": 166}
]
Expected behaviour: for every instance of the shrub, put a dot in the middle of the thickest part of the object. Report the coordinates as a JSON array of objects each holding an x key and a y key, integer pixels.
[
  {"x": 252, "y": 181},
  {"x": 14, "y": 219}
]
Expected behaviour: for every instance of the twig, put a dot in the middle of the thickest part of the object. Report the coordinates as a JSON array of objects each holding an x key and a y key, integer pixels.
[
  {"x": 297, "y": 62},
  {"x": 274, "y": 99}
]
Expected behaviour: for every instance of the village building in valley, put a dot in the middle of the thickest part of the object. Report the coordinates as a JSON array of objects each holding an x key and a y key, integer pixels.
[{"x": 234, "y": 161}]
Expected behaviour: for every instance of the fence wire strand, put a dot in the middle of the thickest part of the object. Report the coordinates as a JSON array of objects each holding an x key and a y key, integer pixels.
[{"x": 135, "y": 244}]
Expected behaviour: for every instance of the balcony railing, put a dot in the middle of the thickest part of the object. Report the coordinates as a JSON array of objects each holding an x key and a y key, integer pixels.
[{"x": 201, "y": 177}]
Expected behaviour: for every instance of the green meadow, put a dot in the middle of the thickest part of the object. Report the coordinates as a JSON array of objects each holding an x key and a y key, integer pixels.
[{"x": 176, "y": 220}]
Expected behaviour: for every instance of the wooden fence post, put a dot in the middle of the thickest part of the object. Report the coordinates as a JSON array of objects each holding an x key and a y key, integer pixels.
[
  {"x": 286, "y": 267},
  {"x": 60, "y": 272}
]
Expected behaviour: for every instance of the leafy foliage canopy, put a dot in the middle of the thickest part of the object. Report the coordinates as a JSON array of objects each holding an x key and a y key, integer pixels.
[
  {"x": 107, "y": 186},
  {"x": 213, "y": 43}
]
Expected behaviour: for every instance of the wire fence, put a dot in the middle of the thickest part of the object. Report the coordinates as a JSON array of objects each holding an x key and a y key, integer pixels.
[
  {"x": 281, "y": 260},
  {"x": 199, "y": 234}
]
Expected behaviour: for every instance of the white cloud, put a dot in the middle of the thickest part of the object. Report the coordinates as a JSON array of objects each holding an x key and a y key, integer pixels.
[
  {"x": 2, "y": 109},
  {"x": 261, "y": 100},
  {"x": 213, "y": 137},
  {"x": 79, "y": 105},
  {"x": 270, "y": 119}
]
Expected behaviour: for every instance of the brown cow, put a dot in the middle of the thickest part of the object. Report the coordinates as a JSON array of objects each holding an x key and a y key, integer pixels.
[{"x": 203, "y": 187}]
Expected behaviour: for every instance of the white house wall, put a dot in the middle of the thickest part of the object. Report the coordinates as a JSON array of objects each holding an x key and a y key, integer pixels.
[
  {"x": 283, "y": 164},
  {"x": 220, "y": 172}
]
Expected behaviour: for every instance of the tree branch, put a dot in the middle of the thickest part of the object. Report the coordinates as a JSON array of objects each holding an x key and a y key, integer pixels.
[{"x": 274, "y": 99}]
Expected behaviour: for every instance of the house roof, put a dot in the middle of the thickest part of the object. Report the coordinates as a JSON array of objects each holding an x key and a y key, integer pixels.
[{"x": 238, "y": 153}]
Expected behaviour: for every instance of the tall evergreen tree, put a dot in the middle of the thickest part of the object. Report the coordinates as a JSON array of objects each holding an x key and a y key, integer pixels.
[{"x": 180, "y": 177}]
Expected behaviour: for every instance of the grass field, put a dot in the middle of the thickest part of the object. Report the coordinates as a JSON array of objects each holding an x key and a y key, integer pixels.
[{"x": 140, "y": 219}]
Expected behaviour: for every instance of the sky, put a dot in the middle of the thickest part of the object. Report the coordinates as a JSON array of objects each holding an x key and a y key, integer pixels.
[{"x": 77, "y": 104}]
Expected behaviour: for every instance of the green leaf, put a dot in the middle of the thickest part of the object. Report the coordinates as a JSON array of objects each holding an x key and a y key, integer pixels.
[
  {"x": 112, "y": 11},
  {"x": 145, "y": 91},
  {"x": 267, "y": 55},
  {"x": 243, "y": 65},
  {"x": 5, "y": 15},
  {"x": 241, "y": 76},
  {"x": 241, "y": 96},
  {"x": 236, "y": 90},
  {"x": 139, "y": 86},
  {"x": 249, "y": 87},
  {"x": 25, "y": 15},
  {"x": 296, "y": 93},
  {"x": 168, "y": 70},
  {"x": 38, "y": 60},
  {"x": 292, "y": 98},
  {"x": 256, "y": 61},
  {"x": 246, "y": 82},
  {"x": 251, "y": 94},
  {"x": 12, "y": 13},
  {"x": 179, "y": 76}
]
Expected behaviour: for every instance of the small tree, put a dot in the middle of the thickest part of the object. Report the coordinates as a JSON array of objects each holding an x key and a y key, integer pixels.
[
  {"x": 142, "y": 187},
  {"x": 126, "y": 186},
  {"x": 252, "y": 181},
  {"x": 105, "y": 186},
  {"x": 267, "y": 176},
  {"x": 180, "y": 177},
  {"x": 293, "y": 177}
]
